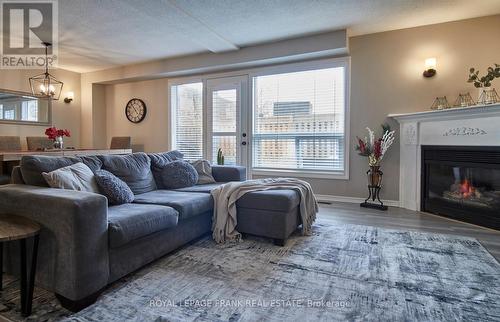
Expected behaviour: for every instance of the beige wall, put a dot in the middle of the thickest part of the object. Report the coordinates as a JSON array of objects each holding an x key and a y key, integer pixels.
[
  {"x": 152, "y": 134},
  {"x": 63, "y": 115},
  {"x": 100, "y": 116}
]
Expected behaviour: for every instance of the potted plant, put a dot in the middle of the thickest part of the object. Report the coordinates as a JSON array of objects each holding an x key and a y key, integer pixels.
[
  {"x": 57, "y": 135},
  {"x": 220, "y": 157},
  {"x": 487, "y": 95}
]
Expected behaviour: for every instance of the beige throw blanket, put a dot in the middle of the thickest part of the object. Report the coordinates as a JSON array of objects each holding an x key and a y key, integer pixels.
[{"x": 225, "y": 197}]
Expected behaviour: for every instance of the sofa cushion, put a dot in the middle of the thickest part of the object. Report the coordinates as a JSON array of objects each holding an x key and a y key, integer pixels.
[
  {"x": 77, "y": 177},
  {"x": 223, "y": 173},
  {"x": 91, "y": 161},
  {"x": 204, "y": 170},
  {"x": 205, "y": 188},
  {"x": 188, "y": 204},
  {"x": 159, "y": 160},
  {"x": 113, "y": 188},
  {"x": 32, "y": 167},
  {"x": 134, "y": 169},
  {"x": 132, "y": 221},
  {"x": 177, "y": 174},
  {"x": 276, "y": 200}
]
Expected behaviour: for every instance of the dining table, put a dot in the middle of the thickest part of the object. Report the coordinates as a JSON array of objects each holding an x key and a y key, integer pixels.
[{"x": 16, "y": 156}]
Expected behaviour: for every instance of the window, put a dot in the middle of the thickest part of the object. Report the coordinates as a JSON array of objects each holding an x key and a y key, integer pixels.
[
  {"x": 187, "y": 119},
  {"x": 298, "y": 121},
  {"x": 29, "y": 110},
  {"x": 294, "y": 124},
  {"x": 9, "y": 113}
]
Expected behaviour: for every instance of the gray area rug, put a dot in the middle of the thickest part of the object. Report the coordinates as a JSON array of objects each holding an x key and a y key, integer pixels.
[{"x": 346, "y": 272}]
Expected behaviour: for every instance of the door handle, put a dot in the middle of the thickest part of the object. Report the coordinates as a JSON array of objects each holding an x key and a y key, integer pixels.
[{"x": 244, "y": 143}]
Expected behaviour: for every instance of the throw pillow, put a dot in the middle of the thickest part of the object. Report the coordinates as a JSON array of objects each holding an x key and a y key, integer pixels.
[
  {"x": 160, "y": 160},
  {"x": 134, "y": 169},
  {"x": 77, "y": 176},
  {"x": 177, "y": 174},
  {"x": 204, "y": 170},
  {"x": 113, "y": 188}
]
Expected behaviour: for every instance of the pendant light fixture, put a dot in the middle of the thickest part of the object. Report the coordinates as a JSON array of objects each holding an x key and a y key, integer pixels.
[{"x": 45, "y": 85}]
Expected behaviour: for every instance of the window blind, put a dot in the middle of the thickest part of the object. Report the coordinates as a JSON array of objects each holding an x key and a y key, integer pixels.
[
  {"x": 187, "y": 115},
  {"x": 298, "y": 120}
]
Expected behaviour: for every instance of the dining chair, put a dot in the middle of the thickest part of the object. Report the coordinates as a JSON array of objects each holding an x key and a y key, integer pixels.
[
  {"x": 121, "y": 142},
  {"x": 10, "y": 143},
  {"x": 38, "y": 143}
]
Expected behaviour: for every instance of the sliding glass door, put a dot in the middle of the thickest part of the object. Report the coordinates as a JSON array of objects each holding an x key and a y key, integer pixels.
[{"x": 226, "y": 126}]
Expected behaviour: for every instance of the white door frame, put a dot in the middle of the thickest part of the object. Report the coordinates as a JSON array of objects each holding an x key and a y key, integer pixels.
[{"x": 240, "y": 84}]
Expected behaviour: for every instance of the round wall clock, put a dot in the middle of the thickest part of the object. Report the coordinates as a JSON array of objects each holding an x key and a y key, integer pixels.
[{"x": 135, "y": 111}]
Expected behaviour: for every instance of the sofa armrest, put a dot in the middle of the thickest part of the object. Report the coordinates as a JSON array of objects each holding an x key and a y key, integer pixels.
[
  {"x": 224, "y": 173},
  {"x": 73, "y": 253}
]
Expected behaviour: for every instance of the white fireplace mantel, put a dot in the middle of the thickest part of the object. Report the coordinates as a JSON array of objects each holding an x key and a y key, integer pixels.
[{"x": 466, "y": 126}]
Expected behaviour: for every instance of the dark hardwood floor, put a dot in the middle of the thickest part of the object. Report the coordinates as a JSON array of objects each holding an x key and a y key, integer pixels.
[{"x": 399, "y": 218}]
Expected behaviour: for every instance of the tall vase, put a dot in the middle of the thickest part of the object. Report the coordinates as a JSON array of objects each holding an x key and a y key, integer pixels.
[
  {"x": 374, "y": 176},
  {"x": 59, "y": 143}
]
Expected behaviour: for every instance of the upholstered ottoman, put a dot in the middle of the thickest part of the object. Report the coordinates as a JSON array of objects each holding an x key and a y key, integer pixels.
[{"x": 274, "y": 214}]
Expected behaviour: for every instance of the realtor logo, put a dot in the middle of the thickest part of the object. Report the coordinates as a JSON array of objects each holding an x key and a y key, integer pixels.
[{"x": 26, "y": 25}]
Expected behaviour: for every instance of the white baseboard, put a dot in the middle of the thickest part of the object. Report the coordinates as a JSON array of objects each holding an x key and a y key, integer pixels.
[{"x": 330, "y": 198}]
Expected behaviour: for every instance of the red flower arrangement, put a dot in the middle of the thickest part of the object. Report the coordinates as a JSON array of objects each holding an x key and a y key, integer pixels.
[{"x": 52, "y": 133}]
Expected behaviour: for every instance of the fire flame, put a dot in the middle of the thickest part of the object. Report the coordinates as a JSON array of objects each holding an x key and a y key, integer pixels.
[{"x": 467, "y": 189}]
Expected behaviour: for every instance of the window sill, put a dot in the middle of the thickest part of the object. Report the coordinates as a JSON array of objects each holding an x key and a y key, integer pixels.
[{"x": 300, "y": 174}]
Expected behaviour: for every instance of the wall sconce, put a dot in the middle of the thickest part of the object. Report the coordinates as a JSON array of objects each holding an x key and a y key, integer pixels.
[
  {"x": 430, "y": 67},
  {"x": 70, "y": 96}
]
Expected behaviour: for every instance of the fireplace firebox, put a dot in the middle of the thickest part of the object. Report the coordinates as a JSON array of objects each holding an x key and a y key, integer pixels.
[{"x": 462, "y": 183}]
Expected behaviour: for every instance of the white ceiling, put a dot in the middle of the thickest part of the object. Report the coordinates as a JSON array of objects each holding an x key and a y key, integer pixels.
[{"x": 99, "y": 34}]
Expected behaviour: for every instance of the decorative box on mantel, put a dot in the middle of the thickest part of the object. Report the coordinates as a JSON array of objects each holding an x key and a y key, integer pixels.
[{"x": 467, "y": 128}]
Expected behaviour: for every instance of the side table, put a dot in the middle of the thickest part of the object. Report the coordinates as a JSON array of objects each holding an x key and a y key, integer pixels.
[{"x": 13, "y": 228}]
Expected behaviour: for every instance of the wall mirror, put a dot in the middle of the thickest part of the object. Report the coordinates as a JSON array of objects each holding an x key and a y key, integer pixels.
[{"x": 23, "y": 108}]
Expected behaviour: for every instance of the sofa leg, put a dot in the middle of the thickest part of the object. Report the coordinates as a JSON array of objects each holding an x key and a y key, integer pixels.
[
  {"x": 75, "y": 306},
  {"x": 279, "y": 242}
]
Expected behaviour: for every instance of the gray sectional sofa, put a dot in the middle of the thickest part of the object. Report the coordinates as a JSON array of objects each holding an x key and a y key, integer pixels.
[{"x": 85, "y": 244}]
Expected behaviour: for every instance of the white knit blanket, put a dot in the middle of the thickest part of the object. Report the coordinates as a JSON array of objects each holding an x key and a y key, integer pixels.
[{"x": 225, "y": 197}]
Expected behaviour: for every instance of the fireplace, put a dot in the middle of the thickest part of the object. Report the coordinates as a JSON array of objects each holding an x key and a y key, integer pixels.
[{"x": 462, "y": 183}]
